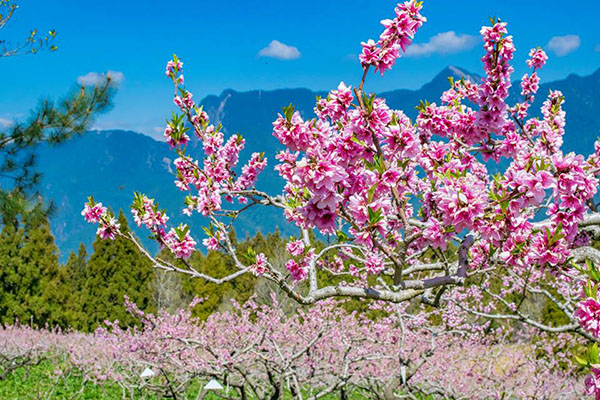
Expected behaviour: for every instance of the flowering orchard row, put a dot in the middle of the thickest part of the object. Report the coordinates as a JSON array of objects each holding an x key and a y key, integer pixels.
[
  {"x": 258, "y": 352},
  {"x": 390, "y": 191}
]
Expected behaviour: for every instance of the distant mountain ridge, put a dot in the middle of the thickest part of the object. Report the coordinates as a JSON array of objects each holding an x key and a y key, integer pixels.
[{"x": 112, "y": 164}]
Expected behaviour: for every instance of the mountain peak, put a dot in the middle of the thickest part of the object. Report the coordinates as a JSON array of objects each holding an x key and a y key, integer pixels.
[
  {"x": 440, "y": 82},
  {"x": 456, "y": 73}
]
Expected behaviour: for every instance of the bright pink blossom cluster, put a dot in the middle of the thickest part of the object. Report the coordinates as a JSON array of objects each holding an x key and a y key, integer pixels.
[
  {"x": 146, "y": 212},
  {"x": 295, "y": 247},
  {"x": 592, "y": 383},
  {"x": 396, "y": 37},
  {"x": 296, "y": 271},
  {"x": 537, "y": 58},
  {"x": 108, "y": 226},
  {"x": 216, "y": 175},
  {"x": 179, "y": 241},
  {"x": 93, "y": 213},
  {"x": 494, "y": 91},
  {"x": 259, "y": 267},
  {"x": 588, "y": 315}
]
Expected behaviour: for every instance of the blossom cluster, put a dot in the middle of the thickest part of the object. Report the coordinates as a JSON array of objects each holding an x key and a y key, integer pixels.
[
  {"x": 592, "y": 383},
  {"x": 96, "y": 213},
  {"x": 588, "y": 315},
  {"x": 394, "y": 39},
  {"x": 146, "y": 212},
  {"x": 356, "y": 168}
]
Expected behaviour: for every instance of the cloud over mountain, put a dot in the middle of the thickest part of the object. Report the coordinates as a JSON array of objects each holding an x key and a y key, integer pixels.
[
  {"x": 279, "y": 50},
  {"x": 443, "y": 43},
  {"x": 563, "y": 45}
]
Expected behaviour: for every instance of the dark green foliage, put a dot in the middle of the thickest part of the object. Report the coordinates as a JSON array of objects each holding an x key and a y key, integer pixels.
[
  {"x": 218, "y": 264},
  {"x": 75, "y": 270},
  {"x": 32, "y": 286},
  {"x": 76, "y": 265},
  {"x": 216, "y": 296},
  {"x": 115, "y": 269}
]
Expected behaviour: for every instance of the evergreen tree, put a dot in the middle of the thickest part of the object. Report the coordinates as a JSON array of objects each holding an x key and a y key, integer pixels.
[
  {"x": 76, "y": 265},
  {"x": 115, "y": 269},
  {"x": 75, "y": 270},
  {"x": 32, "y": 286},
  {"x": 213, "y": 295}
]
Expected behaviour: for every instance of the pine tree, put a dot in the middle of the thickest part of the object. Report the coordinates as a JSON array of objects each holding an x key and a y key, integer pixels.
[
  {"x": 76, "y": 266},
  {"x": 115, "y": 269},
  {"x": 49, "y": 123},
  {"x": 75, "y": 270},
  {"x": 32, "y": 285}
]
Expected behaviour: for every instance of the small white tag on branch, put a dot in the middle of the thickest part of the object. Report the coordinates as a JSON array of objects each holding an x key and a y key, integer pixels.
[
  {"x": 147, "y": 373},
  {"x": 213, "y": 384}
]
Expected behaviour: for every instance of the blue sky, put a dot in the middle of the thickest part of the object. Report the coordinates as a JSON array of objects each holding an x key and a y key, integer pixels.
[{"x": 220, "y": 43}]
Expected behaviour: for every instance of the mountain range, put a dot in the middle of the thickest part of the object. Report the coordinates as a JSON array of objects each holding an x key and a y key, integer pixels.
[{"x": 111, "y": 165}]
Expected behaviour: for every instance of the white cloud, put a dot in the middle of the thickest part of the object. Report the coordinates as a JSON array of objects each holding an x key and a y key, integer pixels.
[
  {"x": 95, "y": 78},
  {"x": 563, "y": 45},
  {"x": 279, "y": 50},
  {"x": 5, "y": 122},
  {"x": 443, "y": 43}
]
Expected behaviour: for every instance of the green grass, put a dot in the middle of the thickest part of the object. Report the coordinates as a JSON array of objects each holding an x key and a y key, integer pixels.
[{"x": 39, "y": 382}]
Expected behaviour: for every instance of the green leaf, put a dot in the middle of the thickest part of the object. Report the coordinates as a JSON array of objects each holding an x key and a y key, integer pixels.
[
  {"x": 558, "y": 235},
  {"x": 581, "y": 360},
  {"x": 374, "y": 216},
  {"x": 288, "y": 112},
  {"x": 250, "y": 255},
  {"x": 356, "y": 140},
  {"x": 422, "y": 105},
  {"x": 371, "y": 192},
  {"x": 341, "y": 236},
  {"x": 594, "y": 354},
  {"x": 591, "y": 290}
]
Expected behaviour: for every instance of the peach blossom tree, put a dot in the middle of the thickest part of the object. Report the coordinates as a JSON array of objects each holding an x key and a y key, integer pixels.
[{"x": 390, "y": 191}]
